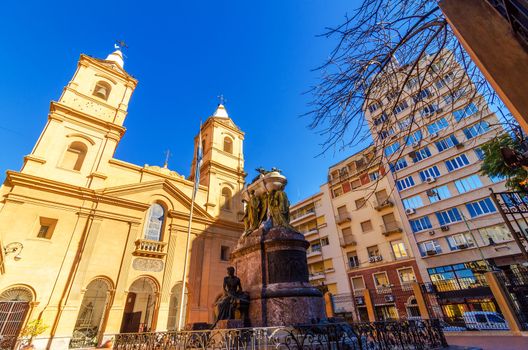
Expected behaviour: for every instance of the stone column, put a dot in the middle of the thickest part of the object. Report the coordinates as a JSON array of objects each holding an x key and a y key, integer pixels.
[
  {"x": 420, "y": 300},
  {"x": 503, "y": 300}
]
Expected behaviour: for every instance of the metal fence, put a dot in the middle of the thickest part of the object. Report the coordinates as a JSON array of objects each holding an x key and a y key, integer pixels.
[
  {"x": 357, "y": 336},
  {"x": 515, "y": 283}
]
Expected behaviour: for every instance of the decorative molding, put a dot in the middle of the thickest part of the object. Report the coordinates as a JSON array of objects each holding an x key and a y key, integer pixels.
[
  {"x": 151, "y": 265},
  {"x": 35, "y": 159}
]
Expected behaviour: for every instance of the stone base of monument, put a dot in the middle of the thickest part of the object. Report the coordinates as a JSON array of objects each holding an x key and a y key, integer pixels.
[
  {"x": 272, "y": 268},
  {"x": 228, "y": 324}
]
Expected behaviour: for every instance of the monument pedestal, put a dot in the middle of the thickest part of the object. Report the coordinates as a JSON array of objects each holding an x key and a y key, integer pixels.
[{"x": 272, "y": 268}]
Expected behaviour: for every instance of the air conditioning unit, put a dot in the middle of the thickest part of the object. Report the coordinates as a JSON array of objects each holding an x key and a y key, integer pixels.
[
  {"x": 444, "y": 228},
  {"x": 430, "y": 252},
  {"x": 416, "y": 144},
  {"x": 360, "y": 301},
  {"x": 431, "y": 233},
  {"x": 430, "y": 180},
  {"x": 462, "y": 246},
  {"x": 394, "y": 136},
  {"x": 412, "y": 154},
  {"x": 433, "y": 136},
  {"x": 410, "y": 211},
  {"x": 459, "y": 145},
  {"x": 439, "y": 110},
  {"x": 389, "y": 298}
]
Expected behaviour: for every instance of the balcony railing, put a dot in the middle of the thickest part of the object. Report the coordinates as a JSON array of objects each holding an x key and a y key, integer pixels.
[
  {"x": 309, "y": 232},
  {"x": 317, "y": 275},
  {"x": 353, "y": 265},
  {"x": 382, "y": 204},
  {"x": 303, "y": 215},
  {"x": 375, "y": 258},
  {"x": 145, "y": 247},
  {"x": 347, "y": 240},
  {"x": 342, "y": 218},
  {"x": 313, "y": 252},
  {"x": 391, "y": 228},
  {"x": 384, "y": 289}
]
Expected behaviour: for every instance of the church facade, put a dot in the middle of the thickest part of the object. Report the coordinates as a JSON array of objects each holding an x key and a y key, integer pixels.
[{"x": 95, "y": 246}]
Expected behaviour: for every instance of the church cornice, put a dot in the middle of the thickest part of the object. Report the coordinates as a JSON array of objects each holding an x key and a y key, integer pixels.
[
  {"x": 109, "y": 67},
  {"x": 64, "y": 112}
]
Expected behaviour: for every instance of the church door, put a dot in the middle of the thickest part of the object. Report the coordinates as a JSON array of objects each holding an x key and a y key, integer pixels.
[{"x": 14, "y": 305}]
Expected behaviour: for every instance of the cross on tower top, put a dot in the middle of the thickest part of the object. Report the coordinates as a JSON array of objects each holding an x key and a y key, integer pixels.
[
  {"x": 221, "y": 99},
  {"x": 120, "y": 45}
]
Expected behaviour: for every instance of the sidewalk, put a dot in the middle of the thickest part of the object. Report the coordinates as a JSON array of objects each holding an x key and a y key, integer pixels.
[{"x": 488, "y": 342}]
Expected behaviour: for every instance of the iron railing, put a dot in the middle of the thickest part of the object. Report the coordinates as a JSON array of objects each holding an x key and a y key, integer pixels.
[{"x": 402, "y": 335}]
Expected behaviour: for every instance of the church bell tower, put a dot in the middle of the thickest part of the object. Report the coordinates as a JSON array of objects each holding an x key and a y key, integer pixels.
[
  {"x": 85, "y": 125},
  {"x": 222, "y": 169}
]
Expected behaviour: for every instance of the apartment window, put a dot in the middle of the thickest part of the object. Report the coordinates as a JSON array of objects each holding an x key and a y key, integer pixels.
[
  {"x": 381, "y": 279},
  {"x": 460, "y": 241},
  {"x": 496, "y": 179},
  {"x": 437, "y": 125},
  {"x": 465, "y": 112},
  {"x": 445, "y": 80},
  {"x": 358, "y": 283},
  {"x": 382, "y": 118},
  {"x": 405, "y": 183},
  {"x": 456, "y": 162},
  {"x": 47, "y": 226},
  {"x": 398, "y": 165},
  {"x": 366, "y": 226},
  {"x": 429, "y": 247},
  {"x": 495, "y": 234},
  {"x": 478, "y": 208},
  {"x": 373, "y": 107},
  {"x": 404, "y": 124},
  {"x": 389, "y": 150},
  {"x": 400, "y": 107},
  {"x": 383, "y": 134},
  {"x": 356, "y": 183},
  {"x": 373, "y": 251},
  {"x": 421, "y": 154},
  {"x": 438, "y": 194},
  {"x": 428, "y": 110},
  {"x": 412, "y": 202},
  {"x": 455, "y": 95},
  {"x": 374, "y": 176},
  {"x": 421, "y": 95},
  {"x": 448, "y": 216},
  {"x": 315, "y": 247},
  {"x": 337, "y": 191},
  {"x": 431, "y": 172},
  {"x": 414, "y": 138},
  {"x": 448, "y": 142},
  {"x": 398, "y": 249},
  {"x": 360, "y": 203},
  {"x": 353, "y": 260},
  {"x": 476, "y": 129},
  {"x": 420, "y": 224},
  {"x": 224, "y": 253},
  {"x": 479, "y": 152},
  {"x": 406, "y": 275},
  {"x": 412, "y": 82},
  {"x": 468, "y": 183},
  {"x": 324, "y": 241}
]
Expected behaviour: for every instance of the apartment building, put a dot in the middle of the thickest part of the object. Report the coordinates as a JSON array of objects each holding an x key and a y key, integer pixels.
[
  {"x": 379, "y": 258},
  {"x": 431, "y": 139},
  {"x": 314, "y": 218}
]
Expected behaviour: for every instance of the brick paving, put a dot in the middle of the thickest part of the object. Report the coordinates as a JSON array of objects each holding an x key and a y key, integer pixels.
[{"x": 488, "y": 342}]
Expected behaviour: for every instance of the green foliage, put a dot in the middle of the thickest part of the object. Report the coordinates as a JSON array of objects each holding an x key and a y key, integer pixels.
[
  {"x": 33, "y": 329},
  {"x": 493, "y": 164}
]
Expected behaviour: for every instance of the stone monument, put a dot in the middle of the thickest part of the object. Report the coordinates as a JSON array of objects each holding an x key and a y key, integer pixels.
[{"x": 270, "y": 258}]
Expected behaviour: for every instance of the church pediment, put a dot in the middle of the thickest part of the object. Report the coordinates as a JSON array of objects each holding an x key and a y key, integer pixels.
[{"x": 178, "y": 202}]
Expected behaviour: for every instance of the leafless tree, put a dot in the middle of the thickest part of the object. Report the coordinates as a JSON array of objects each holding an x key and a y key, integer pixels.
[{"x": 388, "y": 53}]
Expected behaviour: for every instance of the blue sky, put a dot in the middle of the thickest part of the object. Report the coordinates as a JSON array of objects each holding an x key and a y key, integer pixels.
[{"x": 260, "y": 55}]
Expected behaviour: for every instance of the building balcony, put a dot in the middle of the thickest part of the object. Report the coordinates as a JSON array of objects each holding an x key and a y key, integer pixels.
[
  {"x": 310, "y": 232},
  {"x": 384, "y": 289},
  {"x": 343, "y": 218},
  {"x": 303, "y": 216},
  {"x": 346, "y": 241},
  {"x": 314, "y": 276},
  {"x": 353, "y": 265},
  {"x": 313, "y": 253},
  {"x": 391, "y": 228},
  {"x": 145, "y": 247},
  {"x": 375, "y": 259},
  {"x": 380, "y": 205}
]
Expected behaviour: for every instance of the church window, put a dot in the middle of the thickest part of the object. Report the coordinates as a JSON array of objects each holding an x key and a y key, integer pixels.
[
  {"x": 46, "y": 227},
  {"x": 156, "y": 216},
  {"x": 224, "y": 253},
  {"x": 228, "y": 145},
  {"x": 74, "y": 156},
  {"x": 225, "y": 199},
  {"x": 102, "y": 90}
]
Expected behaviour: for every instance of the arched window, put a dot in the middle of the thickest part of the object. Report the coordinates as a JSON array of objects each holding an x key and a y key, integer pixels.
[
  {"x": 156, "y": 216},
  {"x": 14, "y": 306},
  {"x": 225, "y": 200},
  {"x": 74, "y": 156},
  {"x": 102, "y": 90},
  {"x": 228, "y": 144}
]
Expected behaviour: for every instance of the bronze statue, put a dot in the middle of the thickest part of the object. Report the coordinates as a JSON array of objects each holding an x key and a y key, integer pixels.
[
  {"x": 233, "y": 300},
  {"x": 279, "y": 207}
]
